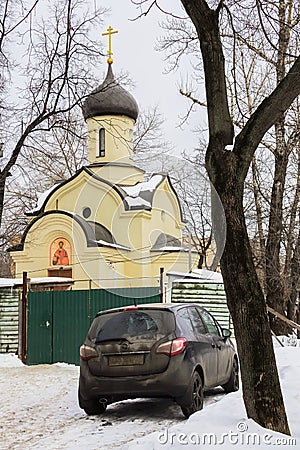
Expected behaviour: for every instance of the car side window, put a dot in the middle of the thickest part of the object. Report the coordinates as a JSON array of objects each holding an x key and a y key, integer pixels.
[
  {"x": 197, "y": 322},
  {"x": 210, "y": 323},
  {"x": 185, "y": 324}
]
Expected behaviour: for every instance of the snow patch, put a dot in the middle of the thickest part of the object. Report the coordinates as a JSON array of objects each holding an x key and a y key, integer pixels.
[
  {"x": 13, "y": 282},
  {"x": 150, "y": 185},
  {"x": 137, "y": 201},
  {"x": 40, "y": 411},
  {"x": 8, "y": 360},
  {"x": 42, "y": 197},
  {"x": 168, "y": 248}
]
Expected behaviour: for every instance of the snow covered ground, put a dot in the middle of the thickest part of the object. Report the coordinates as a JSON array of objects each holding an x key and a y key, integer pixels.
[{"x": 39, "y": 410}]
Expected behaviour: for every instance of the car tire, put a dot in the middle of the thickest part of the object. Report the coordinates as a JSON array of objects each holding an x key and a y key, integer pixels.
[
  {"x": 194, "y": 398},
  {"x": 92, "y": 407},
  {"x": 232, "y": 384}
]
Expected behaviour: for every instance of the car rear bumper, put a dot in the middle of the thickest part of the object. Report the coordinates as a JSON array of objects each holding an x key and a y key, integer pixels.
[{"x": 170, "y": 383}]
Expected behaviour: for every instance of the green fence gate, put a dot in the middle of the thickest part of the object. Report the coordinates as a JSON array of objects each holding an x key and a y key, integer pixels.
[{"x": 58, "y": 321}]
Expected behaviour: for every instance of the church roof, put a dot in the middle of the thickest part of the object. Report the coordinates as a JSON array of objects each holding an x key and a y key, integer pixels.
[
  {"x": 141, "y": 194},
  {"x": 110, "y": 99},
  {"x": 134, "y": 197}
]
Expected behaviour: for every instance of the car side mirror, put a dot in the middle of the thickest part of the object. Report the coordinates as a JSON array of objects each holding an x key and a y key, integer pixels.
[{"x": 226, "y": 333}]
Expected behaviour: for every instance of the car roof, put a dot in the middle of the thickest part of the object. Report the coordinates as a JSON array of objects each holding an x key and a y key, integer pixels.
[{"x": 162, "y": 306}]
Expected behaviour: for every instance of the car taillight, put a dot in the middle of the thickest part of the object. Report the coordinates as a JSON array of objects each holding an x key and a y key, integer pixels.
[
  {"x": 87, "y": 352},
  {"x": 172, "y": 348},
  {"x": 131, "y": 308}
]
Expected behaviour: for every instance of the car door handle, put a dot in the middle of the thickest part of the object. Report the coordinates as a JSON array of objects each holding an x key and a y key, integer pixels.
[
  {"x": 219, "y": 347},
  {"x": 213, "y": 345}
]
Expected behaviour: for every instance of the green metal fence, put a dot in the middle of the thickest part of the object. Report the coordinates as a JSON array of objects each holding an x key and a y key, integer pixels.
[
  {"x": 58, "y": 321},
  {"x": 209, "y": 295}
]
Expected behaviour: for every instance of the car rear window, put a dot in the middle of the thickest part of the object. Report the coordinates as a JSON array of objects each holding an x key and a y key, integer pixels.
[{"x": 122, "y": 324}]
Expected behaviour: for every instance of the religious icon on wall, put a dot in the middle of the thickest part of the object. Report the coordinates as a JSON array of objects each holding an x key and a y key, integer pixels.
[{"x": 60, "y": 252}]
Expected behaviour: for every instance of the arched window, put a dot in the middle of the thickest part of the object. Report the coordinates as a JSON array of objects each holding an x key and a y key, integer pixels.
[{"x": 101, "y": 142}]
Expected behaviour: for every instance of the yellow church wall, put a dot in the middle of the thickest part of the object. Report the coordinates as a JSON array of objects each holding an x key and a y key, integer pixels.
[
  {"x": 80, "y": 193},
  {"x": 35, "y": 258},
  {"x": 166, "y": 201},
  {"x": 74, "y": 195},
  {"x": 105, "y": 267},
  {"x": 93, "y": 267},
  {"x": 118, "y": 138},
  {"x": 138, "y": 229},
  {"x": 86, "y": 263},
  {"x": 119, "y": 172},
  {"x": 109, "y": 212},
  {"x": 144, "y": 227},
  {"x": 143, "y": 268}
]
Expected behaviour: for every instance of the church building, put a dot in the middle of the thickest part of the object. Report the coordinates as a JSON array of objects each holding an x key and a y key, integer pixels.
[{"x": 111, "y": 224}]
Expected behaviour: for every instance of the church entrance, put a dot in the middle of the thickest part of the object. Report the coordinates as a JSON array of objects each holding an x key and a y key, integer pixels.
[{"x": 65, "y": 273}]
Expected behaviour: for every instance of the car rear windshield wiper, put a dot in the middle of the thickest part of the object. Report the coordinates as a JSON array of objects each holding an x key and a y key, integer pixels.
[{"x": 108, "y": 339}]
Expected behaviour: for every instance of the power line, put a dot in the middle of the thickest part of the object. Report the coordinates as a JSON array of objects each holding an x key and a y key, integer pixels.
[{"x": 97, "y": 259}]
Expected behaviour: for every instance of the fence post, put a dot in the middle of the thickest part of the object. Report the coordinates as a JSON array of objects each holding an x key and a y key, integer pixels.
[
  {"x": 23, "y": 355},
  {"x": 161, "y": 284}
]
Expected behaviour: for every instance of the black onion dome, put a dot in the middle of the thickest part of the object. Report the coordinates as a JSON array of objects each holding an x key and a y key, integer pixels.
[{"x": 110, "y": 99}]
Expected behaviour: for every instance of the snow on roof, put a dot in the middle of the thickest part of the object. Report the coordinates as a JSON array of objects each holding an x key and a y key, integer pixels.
[
  {"x": 170, "y": 248},
  {"x": 110, "y": 244},
  {"x": 12, "y": 282},
  {"x": 208, "y": 275},
  {"x": 150, "y": 185},
  {"x": 140, "y": 195},
  {"x": 42, "y": 197},
  {"x": 137, "y": 201},
  {"x": 197, "y": 274},
  {"x": 7, "y": 282}
]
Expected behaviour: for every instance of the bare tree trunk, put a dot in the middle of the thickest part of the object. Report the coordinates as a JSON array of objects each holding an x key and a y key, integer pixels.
[
  {"x": 227, "y": 170},
  {"x": 261, "y": 265},
  {"x": 292, "y": 307},
  {"x": 274, "y": 282},
  {"x": 262, "y": 242},
  {"x": 2, "y": 191},
  {"x": 261, "y": 388},
  {"x": 292, "y": 258}
]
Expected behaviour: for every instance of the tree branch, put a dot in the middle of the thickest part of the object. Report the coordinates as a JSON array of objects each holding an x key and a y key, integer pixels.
[
  {"x": 267, "y": 114},
  {"x": 206, "y": 23}
]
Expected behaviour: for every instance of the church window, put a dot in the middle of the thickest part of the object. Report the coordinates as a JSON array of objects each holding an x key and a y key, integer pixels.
[
  {"x": 86, "y": 212},
  {"x": 102, "y": 142}
]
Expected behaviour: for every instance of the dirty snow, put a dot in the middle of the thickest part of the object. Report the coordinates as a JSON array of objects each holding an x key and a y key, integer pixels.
[{"x": 39, "y": 410}]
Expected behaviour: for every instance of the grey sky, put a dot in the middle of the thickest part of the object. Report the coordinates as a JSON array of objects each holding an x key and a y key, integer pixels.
[{"x": 134, "y": 53}]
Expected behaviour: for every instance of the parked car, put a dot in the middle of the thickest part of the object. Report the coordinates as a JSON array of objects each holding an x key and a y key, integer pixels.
[{"x": 155, "y": 350}]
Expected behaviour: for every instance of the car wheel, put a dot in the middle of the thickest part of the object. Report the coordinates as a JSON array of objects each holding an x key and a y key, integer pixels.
[
  {"x": 194, "y": 396},
  {"x": 92, "y": 407},
  {"x": 232, "y": 384}
]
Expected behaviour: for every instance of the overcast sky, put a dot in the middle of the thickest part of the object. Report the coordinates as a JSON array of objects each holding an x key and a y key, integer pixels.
[{"x": 134, "y": 52}]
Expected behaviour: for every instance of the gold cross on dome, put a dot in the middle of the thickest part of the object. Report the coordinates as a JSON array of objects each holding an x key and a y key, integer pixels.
[{"x": 109, "y": 32}]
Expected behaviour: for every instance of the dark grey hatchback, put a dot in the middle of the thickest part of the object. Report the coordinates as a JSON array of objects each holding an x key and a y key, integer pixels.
[{"x": 155, "y": 350}]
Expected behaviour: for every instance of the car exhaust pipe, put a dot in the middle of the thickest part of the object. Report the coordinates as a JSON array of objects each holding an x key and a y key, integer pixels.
[{"x": 103, "y": 401}]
